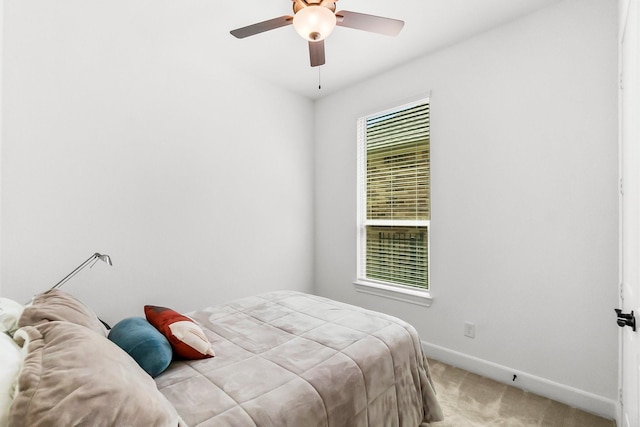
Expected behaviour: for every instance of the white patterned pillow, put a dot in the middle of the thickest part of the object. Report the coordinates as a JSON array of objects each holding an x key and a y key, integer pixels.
[
  {"x": 10, "y": 363},
  {"x": 10, "y": 312}
]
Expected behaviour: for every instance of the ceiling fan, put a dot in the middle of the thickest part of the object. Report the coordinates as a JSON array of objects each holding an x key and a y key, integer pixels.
[{"x": 314, "y": 20}]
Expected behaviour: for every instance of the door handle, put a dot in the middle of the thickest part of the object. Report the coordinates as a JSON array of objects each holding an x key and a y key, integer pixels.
[{"x": 626, "y": 319}]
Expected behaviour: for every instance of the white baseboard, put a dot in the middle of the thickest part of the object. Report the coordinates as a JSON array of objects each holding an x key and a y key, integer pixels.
[{"x": 574, "y": 397}]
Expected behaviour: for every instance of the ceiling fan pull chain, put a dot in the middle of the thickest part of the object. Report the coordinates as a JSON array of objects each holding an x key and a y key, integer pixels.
[{"x": 319, "y": 83}]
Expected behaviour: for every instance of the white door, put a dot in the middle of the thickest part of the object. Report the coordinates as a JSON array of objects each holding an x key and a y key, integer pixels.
[{"x": 629, "y": 45}]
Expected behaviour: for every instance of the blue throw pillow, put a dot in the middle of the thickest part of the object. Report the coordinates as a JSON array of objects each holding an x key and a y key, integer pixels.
[{"x": 144, "y": 343}]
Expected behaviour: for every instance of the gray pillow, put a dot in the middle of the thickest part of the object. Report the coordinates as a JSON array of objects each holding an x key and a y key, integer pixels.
[
  {"x": 59, "y": 305},
  {"x": 73, "y": 376}
]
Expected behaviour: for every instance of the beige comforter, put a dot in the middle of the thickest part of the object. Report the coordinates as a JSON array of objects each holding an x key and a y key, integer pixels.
[{"x": 290, "y": 359}]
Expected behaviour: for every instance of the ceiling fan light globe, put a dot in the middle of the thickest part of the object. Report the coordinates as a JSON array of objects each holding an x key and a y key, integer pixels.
[{"x": 314, "y": 23}]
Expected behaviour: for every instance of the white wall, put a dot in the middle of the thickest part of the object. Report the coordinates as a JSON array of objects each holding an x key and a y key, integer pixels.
[
  {"x": 188, "y": 172},
  {"x": 524, "y": 201},
  {"x": 109, "y": 144}
]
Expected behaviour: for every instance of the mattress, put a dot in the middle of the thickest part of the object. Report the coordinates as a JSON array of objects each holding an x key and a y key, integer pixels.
[{"x": 287, "y": 358}]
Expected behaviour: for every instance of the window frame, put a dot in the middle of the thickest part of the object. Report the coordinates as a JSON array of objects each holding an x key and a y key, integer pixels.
[{"x": 363, "y": 284}]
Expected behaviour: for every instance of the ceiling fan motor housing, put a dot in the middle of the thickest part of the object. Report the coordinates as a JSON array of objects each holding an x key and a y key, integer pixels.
[{"x": 301, "y": 4}]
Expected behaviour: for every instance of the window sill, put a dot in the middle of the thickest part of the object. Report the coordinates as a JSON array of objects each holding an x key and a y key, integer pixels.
[{"x": 413, "y": 296}]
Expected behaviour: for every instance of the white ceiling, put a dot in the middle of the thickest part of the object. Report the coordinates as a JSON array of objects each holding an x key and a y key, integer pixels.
[{"x": 199, "y": 33}]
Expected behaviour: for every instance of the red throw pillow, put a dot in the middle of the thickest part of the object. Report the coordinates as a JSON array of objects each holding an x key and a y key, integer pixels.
[{"x": 186, "y": 338}]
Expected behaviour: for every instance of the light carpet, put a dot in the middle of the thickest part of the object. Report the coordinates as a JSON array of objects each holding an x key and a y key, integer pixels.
[{"x": 469, "y": 400}]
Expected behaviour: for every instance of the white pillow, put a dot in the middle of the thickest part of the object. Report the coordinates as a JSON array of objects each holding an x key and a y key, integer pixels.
[
  {"x": 11, "y": 359},
  {"x": 10, "y": 312}
]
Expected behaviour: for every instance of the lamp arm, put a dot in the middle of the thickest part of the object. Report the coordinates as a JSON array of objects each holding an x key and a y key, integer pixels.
[{"x": 74, "y": 272}]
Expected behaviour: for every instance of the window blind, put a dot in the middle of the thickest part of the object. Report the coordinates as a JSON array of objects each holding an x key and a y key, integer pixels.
[
  {"x": 398, "y": 178},
  {"x": 395, "y": 186}
]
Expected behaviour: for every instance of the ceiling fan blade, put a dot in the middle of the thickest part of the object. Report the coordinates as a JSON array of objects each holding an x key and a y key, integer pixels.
[
  {"x": 263, "y": 26},
  {"x": 374, "y": 24},
  {"x": 316, "y": 53}
]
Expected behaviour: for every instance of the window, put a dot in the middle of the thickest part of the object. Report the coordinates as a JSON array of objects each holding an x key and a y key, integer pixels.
[{"x": 394, "y": 197}]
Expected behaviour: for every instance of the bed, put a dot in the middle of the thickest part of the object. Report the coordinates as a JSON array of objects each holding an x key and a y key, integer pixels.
[{"x": 282, "y": 358}]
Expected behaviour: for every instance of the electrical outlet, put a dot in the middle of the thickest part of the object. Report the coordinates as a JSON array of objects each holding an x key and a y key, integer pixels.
[{"x": 469, "y": 329}]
